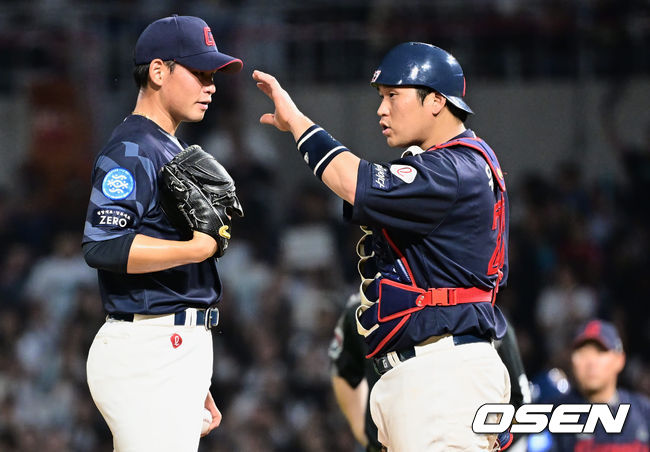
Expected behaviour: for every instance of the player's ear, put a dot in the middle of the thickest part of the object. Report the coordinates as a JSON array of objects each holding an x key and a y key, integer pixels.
[
  {"x": 157, "y": 71},
  {"x": 435, "y": 102}
]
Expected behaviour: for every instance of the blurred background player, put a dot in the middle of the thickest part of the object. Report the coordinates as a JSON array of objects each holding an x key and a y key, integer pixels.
[
  {"x": 353, "y": 376},
  {"x": 596, "y": 361}
]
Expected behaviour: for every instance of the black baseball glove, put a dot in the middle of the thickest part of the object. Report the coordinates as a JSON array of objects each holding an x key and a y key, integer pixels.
[{"x": 198, "y": 194}]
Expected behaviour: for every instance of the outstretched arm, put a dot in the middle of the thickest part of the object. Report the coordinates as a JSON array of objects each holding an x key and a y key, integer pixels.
[{"x": 339, "y": 173}]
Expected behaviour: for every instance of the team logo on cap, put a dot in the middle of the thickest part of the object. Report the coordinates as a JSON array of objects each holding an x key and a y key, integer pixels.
[
  {"x": 375, "y": 76},
  {"x": 118, "y": 184},
  {"x": 207, "y": 34},
  {"x": 592, "y": 328}
]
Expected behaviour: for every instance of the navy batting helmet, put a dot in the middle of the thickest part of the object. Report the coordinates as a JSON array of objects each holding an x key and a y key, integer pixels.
[{"x": 420, "y": 64}]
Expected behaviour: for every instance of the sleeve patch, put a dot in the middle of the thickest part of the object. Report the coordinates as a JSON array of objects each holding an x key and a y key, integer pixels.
[
  {"x": 380, "y": 178},
  {"x": 404, "y": 172},
  {"x": 118, "y": 184},
  {"x": 112, "y": 218}
]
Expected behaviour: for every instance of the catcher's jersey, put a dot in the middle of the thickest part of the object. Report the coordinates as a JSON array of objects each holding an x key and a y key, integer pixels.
[
  {"x": 438, "y": 209},
  {"x": 124, "y": 200}
]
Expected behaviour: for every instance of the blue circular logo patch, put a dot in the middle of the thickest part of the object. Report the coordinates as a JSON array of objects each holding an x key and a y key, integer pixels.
[{"x": 118, "y": 183}]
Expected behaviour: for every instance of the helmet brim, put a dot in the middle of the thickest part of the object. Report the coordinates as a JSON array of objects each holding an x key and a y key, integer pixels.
[{"x": 460, "y": 103}]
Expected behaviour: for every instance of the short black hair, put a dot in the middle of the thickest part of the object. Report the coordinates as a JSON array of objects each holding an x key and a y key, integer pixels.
[
  {"x": 424, "y": 91},
  {"x": 141, "y": 73}
]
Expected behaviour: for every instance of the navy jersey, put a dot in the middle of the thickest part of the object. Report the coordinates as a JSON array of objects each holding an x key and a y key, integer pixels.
[
  {"x": 124, "y": 200},
  {"x": 434, "y": 219},
  {"x": 635, "y": 436}
]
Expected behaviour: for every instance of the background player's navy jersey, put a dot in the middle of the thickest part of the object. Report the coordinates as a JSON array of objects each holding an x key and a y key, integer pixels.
[
  {"x": 635, "y": 436},
  {"x": 438, "y": 208},
  {"x": 124, "y": 200}
]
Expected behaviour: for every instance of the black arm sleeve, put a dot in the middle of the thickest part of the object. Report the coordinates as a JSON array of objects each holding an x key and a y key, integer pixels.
[
  {"x": 509, "y": 353},
  {"x": 111, "y": 255}
]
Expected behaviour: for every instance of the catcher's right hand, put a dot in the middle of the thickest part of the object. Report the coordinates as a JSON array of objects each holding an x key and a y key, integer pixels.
[{"x": 198, "y": 194}]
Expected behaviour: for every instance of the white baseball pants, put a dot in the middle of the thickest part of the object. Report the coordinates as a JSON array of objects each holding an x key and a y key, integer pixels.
[
  {"x": 150, "y": 380},
  {"x": 427, "y": 403}
]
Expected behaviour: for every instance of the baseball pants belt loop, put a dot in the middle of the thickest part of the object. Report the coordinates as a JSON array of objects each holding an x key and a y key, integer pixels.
[
  {"x": 209, "y": 318},
  {"x": 390, "y": 360}
]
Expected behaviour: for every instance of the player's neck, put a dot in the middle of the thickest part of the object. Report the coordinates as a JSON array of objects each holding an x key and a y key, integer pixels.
[
  {"x": 443, "y": 132},
  {"x": 150, "y": 108}
]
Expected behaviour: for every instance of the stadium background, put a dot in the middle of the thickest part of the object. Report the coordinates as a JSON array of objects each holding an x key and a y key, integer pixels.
[{"x": 551, "y": 82}]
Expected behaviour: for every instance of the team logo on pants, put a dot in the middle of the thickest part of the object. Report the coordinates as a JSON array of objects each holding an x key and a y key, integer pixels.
[{"x": 176, "y": 339}]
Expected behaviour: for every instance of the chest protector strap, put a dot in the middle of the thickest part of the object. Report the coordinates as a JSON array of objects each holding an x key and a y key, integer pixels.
[{"x": 480, "y": 146}]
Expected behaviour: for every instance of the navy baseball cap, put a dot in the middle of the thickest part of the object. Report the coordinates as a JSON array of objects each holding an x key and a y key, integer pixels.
[
  {"x": 186, "y": 40},
  {"x": 601, "y": 332}
]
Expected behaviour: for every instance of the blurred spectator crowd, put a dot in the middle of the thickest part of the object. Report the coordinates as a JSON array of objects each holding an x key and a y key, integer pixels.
[{"x": 335, "y": 40}]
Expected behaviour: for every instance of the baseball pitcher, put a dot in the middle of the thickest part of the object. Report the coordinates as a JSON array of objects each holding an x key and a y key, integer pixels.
[{"x": 159, "y": 214}]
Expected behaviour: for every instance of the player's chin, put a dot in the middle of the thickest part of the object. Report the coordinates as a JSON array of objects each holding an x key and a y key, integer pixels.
[
  {"x": 394, "y": 142},
  {"x": 196, "y": 116},
  {"x": 592, "y": 385}
]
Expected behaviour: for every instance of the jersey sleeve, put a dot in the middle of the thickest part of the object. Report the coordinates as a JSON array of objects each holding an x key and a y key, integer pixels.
[
  {"x": 346, "y": 350},
  {"x": 123, "y": 191},
  {"x": 410, "y": 194}
]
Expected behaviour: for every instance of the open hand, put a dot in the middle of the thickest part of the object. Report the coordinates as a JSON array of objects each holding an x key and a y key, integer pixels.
[{"x": 286, "y": 117}]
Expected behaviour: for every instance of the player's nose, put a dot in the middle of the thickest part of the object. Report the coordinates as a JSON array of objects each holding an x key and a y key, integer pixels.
[{"x": 383, "y": 109}]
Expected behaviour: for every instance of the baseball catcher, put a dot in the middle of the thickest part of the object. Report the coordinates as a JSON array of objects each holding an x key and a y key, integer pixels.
[
  {"x": 434, "y": 251},
  {"x": 198, "y": 194}
]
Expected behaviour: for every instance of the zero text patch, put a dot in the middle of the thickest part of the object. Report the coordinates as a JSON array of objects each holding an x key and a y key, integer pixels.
[{"x": 111, "y": 218}]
